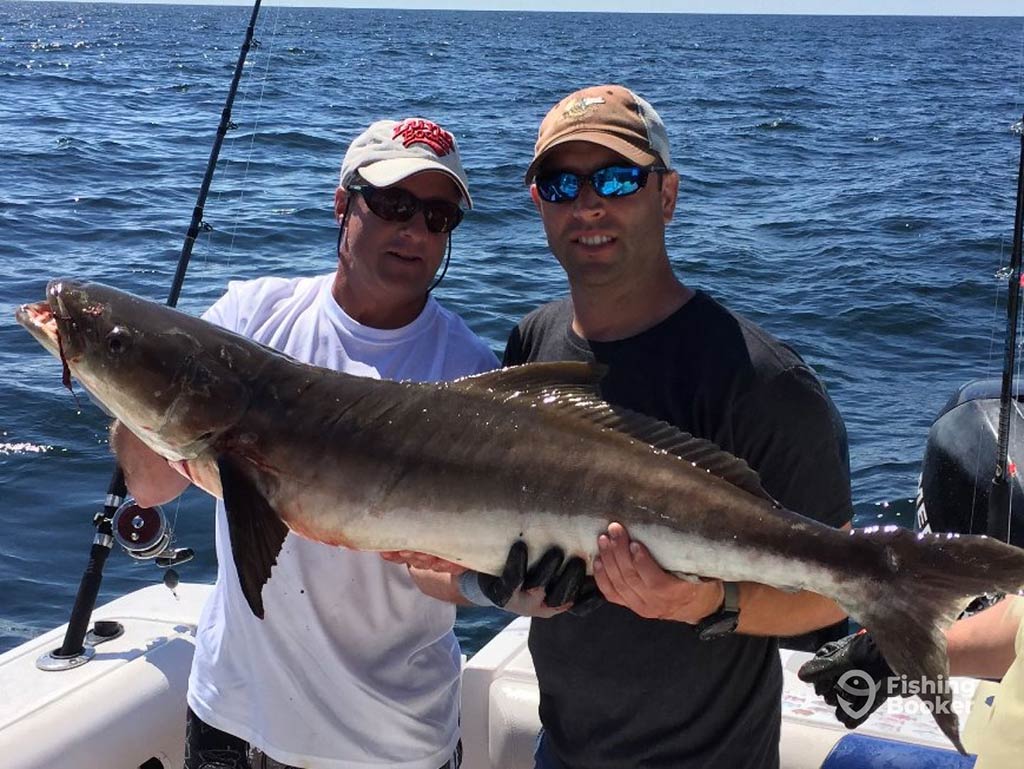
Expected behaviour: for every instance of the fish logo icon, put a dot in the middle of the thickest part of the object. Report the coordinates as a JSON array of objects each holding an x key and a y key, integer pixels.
[{"x": 862, "y": 695}]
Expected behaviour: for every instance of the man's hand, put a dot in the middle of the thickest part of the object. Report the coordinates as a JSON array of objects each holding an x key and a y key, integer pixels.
[
  {"x": 850, "y": 675},
  {"x": 628, "y": 575},
  {"x": 422, "y": 561},
  {"x": 550, "y": 587},
  {"x": 150, "y": 478}
]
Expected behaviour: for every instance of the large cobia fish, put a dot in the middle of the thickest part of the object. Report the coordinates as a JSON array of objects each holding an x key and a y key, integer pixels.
[{"x": 460, "y": 470}]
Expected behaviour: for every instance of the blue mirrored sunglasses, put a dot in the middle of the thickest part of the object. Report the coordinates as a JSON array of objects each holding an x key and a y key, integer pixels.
[{"x": 608, "y": 182}]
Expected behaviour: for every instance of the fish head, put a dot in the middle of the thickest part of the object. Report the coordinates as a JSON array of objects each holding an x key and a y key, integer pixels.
[{"x": 161, "y": 372}]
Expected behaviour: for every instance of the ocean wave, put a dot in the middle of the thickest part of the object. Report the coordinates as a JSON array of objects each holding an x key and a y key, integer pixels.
[
  {"x": 780, "y": 124},
  {"x": 8, "y": 449}
]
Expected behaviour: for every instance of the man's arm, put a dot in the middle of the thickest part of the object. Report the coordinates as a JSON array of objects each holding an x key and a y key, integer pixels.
[
  {"x": 148, "y": 476},
  {"x": 440, "y": 585},
  {"x": 445, "y": 587},
  {"x": 982, "y": 645},
  {"x": 628, "y": 575},
  {"x": 518, "y": 589}
]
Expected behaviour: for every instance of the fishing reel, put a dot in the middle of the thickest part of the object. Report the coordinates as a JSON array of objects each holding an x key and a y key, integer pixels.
[{"x": 145, "y": 534}]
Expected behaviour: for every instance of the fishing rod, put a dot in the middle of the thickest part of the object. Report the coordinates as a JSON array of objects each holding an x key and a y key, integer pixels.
[
  {"x": 998, "y": 523},
  {"x": 143, "y": 532}
]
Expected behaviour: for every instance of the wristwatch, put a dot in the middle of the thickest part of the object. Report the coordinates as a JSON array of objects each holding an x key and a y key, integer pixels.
[{"x": 724, "y": 621}]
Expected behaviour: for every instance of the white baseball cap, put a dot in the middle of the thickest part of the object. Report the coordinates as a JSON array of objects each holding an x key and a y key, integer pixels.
[{"x": 391, "y": 150}]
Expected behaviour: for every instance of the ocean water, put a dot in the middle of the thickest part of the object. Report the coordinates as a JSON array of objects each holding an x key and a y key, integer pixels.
[{"x": 846, "y": 182}]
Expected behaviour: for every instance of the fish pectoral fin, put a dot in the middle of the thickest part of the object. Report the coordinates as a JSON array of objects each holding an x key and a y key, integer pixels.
[
  {"x": 256, "y": 530},
  {"x": 532, "y": 379}
]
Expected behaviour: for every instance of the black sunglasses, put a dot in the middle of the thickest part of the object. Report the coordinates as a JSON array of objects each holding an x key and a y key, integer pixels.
[
  {"x": 609, "y": 182},
  {"x": 393, "y": 204}
]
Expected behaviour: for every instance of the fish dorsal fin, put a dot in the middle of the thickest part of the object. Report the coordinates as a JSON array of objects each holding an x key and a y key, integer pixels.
[
  {"x": 571, "y": 389},
  {"x": 662, "y": 436},
  {"x": 532, "y": 379}
]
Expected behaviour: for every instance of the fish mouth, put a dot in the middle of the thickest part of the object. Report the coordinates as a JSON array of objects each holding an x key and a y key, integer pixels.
[
  {"x": 39, "y": 320},
  {"x": 43, "y": 321}
]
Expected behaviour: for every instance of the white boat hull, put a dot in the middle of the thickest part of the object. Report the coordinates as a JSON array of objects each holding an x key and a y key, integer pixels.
[{"x": 123, "y": 708}]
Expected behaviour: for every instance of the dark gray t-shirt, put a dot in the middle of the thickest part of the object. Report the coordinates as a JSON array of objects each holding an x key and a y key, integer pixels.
[{"x": 619, "y": 691}]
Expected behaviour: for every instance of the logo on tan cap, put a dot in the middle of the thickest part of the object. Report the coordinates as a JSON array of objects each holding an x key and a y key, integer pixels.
[{"x": 577, "y": 109}]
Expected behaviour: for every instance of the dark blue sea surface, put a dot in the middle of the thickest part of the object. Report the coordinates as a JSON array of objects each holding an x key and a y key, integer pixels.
[{"x": 846, "y": 182}]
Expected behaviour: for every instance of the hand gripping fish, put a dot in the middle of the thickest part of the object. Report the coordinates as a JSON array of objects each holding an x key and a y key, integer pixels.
[{"x": 460, "y": 470}]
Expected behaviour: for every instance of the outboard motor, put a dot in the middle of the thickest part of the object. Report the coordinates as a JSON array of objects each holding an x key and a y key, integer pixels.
[{"x": 960, "y": 460}]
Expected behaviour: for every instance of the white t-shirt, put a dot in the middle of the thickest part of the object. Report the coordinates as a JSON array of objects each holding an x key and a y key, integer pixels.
[
  {"x": 1002, "y": 739},
  {"x": 361, "y": 671}
]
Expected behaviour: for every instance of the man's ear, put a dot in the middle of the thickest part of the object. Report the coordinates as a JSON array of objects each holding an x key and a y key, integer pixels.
[
  {"x": 669, "y": 192},
  {"x": 535, "y": 196},
  {"x": 341, "y": 198}
]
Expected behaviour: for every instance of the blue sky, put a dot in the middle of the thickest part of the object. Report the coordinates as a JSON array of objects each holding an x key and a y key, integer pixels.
[{"x": 846, "y": 7}]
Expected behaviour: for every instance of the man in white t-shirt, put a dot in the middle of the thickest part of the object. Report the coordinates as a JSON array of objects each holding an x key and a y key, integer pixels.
[{"x": 354, "y": 667}]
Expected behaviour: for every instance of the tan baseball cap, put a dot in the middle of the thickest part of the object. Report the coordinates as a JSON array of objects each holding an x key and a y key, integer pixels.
[
  {"x": 609, "y": 115},
  {"x": 390, "y": 150}
]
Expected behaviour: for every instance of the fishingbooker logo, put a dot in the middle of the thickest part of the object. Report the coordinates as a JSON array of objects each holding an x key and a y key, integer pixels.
[
  {"x": 862, "y": 691},
  {"x": 419, "y": 131},
  {"x": 900, "y": 695}
]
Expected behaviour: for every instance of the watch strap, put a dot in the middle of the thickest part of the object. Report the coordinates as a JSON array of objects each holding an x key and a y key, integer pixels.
[
  {"x": 731, "y": 601},
  {"x": 724, "y": 621}
]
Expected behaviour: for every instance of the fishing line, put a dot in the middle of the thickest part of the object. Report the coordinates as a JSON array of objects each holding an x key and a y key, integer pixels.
[
  {"x": 234, "y": 143},
  {"x": 252, "y": 135},
  {"x": 204, "y": 188},
  {"x": 1001, "y": 274}
]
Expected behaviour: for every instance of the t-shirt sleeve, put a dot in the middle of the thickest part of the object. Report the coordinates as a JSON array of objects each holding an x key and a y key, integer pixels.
[
  {"x": 465, "y": 353},
  {"x": 514, "y": 355},
  {"x": 224, "y": 312},
  {"x": 794, "y": 438},
  {"x": 484, "y": 359}
]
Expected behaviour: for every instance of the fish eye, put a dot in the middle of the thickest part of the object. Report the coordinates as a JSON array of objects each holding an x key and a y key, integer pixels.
[{"x": 118, "y": 340}]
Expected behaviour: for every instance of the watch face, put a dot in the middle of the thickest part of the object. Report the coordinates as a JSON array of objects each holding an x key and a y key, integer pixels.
[{"x": 719, "y": 626}]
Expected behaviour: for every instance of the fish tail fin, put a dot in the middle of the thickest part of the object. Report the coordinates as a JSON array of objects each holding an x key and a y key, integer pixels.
[{"x": 928, "y": 581}]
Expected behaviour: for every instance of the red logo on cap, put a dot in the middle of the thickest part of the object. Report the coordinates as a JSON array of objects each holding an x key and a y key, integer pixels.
[{"x": 421, "y": 131}]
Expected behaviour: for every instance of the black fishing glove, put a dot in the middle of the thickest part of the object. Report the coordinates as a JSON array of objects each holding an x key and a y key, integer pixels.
[
  {"x": 851, "y": 675},
  {"x": 563, "y": 581}
]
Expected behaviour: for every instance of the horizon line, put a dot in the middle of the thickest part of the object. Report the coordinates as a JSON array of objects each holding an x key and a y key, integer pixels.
[{"x": 472, "y": 6}]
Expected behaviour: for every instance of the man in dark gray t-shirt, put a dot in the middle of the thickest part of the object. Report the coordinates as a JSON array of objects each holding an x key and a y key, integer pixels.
[{"x": 633, "y": 683}]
